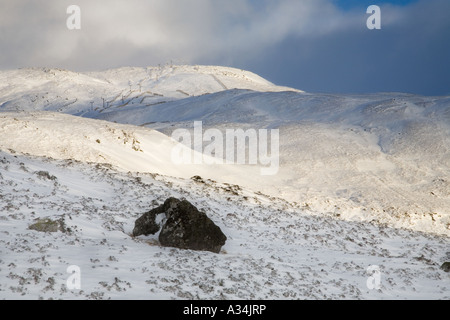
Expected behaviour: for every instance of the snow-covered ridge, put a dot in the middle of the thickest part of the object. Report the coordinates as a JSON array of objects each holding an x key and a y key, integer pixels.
[{"x": 43, "y": 89}]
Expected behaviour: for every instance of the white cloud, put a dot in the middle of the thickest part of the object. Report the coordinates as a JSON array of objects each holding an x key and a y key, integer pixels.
[{"x": 35, "y": 32}]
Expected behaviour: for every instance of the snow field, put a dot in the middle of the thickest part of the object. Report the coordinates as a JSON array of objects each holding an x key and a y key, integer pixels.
[
  {"x": 364, "y": 182},
  {"x": 275, "y": 250}
]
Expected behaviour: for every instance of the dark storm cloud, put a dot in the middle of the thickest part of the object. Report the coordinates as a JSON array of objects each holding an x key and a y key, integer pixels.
[
  {"x": 160, "y": 30},
  {"x": 410, "y": 54}
]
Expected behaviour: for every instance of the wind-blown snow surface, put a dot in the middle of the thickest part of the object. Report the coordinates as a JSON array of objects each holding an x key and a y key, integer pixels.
[{"x": 363, "y": 180}]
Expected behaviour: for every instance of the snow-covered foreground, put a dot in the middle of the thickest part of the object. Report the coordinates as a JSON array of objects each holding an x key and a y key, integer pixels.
[
  {"x": 363, "y": 185},
  {"x": 275, "y": 250}
]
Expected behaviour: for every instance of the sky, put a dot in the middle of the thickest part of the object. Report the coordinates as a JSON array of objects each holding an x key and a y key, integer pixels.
[{"x": 312, "y": 45}]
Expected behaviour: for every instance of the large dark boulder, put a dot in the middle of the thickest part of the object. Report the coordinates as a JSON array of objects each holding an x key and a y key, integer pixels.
[
  {"x": 188, "y": 228},
  {"x": 147, "y": 225},
  {"x": 446, "y": 266},
  {"x": 185, "y": 227}
]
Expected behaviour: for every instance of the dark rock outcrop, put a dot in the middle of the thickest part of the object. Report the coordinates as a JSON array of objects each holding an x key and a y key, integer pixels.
[
  {"x": 185, "y": 227},
  {"x": 446, "y": 266},
  {"x": 147, "y": 225},
  {"x": 188, "y": 228}
]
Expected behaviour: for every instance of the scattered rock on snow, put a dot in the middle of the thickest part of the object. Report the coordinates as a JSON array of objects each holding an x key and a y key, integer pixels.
[
  {"x": 198, "y": 179},
  {"x": 48, "y": 225},
  {"x": 185, "y": 227},
  {"x": 45, "y": 175}
]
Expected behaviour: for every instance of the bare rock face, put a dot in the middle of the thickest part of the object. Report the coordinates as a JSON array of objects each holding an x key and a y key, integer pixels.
[{"x": 185, "y": 227}]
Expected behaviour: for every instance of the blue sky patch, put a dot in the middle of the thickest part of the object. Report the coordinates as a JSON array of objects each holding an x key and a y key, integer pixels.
[{"x": 354, "y": 4}]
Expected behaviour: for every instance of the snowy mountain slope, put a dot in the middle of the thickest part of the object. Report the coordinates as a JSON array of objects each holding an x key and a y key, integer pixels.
[
  {"x": 43, "y": 89},
  {"x": 364, "y": 180},
  {"x": 193, "y": 80},
  {"x": 126, "y": 147},
  {"x": 336, "y": 170},
  {"x": 391, "y": 111},
  {"x": 275, "y": 250},
  {"x": 382, "y": 157}
]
